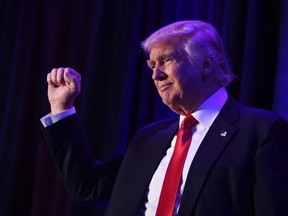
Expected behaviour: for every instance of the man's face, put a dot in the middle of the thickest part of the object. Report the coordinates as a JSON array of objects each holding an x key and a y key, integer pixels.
[{"x": 179, "y": 83}]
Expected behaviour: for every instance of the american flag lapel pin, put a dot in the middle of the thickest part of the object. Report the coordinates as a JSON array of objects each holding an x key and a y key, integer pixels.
[{"x": 223, "y": 133}]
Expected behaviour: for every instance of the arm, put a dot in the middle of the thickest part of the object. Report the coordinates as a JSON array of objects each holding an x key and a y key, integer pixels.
[
  {"x": 271, "y": 185},
  {"x": 87, "y": 179}
]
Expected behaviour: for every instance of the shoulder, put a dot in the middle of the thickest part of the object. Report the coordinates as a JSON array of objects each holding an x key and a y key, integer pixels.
[
  {"x": 254, "y": 125},
  {"x": 155, "y": 127},
  {"x": 236, "y": 111},
  {"x": 251, "y": 119},
  {"x": 261, "y": 119},
  {"x": 268, "y": 123},
  {"x": 262, "y": 116},
  {"x": 159, "y": 125},
  {"x": 257, "y": 113}
]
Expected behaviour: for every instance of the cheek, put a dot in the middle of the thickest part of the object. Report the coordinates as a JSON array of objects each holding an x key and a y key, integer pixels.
[
  {"x": 189, "y": 82},
  {"x": 156, "y": 83}
]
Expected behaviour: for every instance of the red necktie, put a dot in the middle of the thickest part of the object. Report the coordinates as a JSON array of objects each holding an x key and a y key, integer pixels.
[{"x": 174, "y": 171}]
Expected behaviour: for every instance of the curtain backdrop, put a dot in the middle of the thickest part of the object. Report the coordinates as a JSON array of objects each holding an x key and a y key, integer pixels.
[{"x": 100, "y": 39}]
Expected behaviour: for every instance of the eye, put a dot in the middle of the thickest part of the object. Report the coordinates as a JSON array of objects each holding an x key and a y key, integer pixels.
[
  {"x": 167, "y": 59},
  {"x": 151, "y": 66}
]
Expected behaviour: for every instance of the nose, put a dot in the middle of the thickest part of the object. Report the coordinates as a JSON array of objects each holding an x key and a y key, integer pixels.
[{"x": 158, "y": 74}]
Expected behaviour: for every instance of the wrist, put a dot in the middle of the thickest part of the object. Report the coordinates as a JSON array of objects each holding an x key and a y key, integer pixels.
[
  {"x": 58, "y": 108},
  {"x": 50, "y": 119}
]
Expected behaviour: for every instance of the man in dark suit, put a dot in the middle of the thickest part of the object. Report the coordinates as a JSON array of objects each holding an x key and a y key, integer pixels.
[{"x": 238, "y": 156}]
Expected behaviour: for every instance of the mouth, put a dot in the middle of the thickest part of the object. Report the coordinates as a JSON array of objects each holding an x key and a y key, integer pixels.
[{"x": 164, "y": 87}]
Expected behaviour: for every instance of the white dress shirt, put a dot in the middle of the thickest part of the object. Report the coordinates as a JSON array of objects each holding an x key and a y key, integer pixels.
[{"x": 49, "y": 119}]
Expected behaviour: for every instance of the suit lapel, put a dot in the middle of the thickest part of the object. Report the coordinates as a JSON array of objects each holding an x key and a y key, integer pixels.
[
  {"x": 140, "y": 163},
  {"x": 154, "y": 153},
  {"x": 215, "y": 141}
]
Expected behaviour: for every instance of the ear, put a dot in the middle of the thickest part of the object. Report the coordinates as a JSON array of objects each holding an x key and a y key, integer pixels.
[{"x": 206, "y": 69}]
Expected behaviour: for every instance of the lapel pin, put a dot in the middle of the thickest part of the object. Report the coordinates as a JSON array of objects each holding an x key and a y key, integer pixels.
[{"x": 223, "y": 133}]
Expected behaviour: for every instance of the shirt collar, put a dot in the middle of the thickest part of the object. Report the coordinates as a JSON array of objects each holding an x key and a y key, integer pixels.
[{"x": 207, "y": 112}]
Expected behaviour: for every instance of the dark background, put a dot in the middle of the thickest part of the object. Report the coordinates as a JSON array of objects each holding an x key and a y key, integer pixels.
[{"x": 100, "y": 39}]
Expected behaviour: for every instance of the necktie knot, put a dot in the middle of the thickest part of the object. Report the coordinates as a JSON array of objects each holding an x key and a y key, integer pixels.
[{"x": 188, "y": 122}]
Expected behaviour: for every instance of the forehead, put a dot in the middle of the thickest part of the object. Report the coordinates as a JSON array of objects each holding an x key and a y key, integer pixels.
[{"x": 161, "y": 51}]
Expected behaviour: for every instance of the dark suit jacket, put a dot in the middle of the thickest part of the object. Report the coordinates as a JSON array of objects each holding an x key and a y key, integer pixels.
[{"x": 240, "y": 168}]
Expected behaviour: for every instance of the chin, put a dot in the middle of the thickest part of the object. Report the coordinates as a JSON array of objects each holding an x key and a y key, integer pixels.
[{"x": 168, "y": 103}]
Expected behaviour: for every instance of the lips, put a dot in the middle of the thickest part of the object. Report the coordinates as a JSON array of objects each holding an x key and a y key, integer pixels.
[{"x": 164, "y": 87}]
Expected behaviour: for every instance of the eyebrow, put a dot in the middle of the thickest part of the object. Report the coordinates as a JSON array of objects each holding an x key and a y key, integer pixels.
[
  {"x": 161, "y": 56},
  {"x": 149, "y": 63}
]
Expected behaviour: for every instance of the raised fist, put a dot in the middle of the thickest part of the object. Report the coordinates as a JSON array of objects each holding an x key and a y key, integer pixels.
[{"x": 64, "y": 84}]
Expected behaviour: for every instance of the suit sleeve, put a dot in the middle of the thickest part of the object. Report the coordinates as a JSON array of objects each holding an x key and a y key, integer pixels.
[
  {"x": 271, "y": 171},
  {"x": 87, "y": 179}
]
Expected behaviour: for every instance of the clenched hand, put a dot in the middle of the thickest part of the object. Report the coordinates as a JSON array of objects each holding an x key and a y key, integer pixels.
[{"x": 64, "y": 84}]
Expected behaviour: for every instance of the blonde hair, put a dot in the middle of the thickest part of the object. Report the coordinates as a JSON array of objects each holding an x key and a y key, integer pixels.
[{"x": 197, "y": 39}]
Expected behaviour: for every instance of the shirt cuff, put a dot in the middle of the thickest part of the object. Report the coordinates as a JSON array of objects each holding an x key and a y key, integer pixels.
[{"x": 49, "y": 119}]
